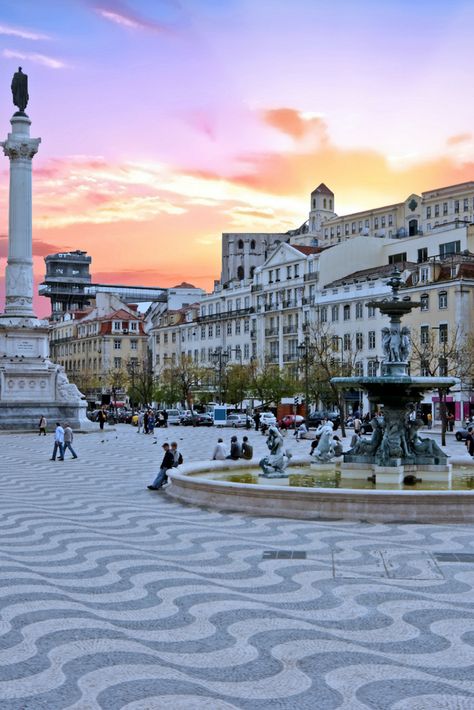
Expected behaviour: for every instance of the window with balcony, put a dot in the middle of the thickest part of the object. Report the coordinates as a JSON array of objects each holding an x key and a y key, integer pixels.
[
  {"x": 449, "y": 248},
  {"x": 397, "y": 258}
]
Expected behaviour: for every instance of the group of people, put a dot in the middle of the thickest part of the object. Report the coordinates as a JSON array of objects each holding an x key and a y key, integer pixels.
[
  {"x": 172, "y": 458},
  {"x": 63, "y": 438},
  {"x": 237, "y": 451},
  {"x": 148, "y": 420}
]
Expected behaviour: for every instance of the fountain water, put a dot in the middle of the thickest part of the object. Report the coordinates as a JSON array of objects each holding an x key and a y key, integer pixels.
[{"x": 396, "y": 450}]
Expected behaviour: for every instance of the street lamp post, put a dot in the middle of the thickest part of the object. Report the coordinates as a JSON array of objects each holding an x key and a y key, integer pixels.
[
  {"x": 304, "y": 352},
  {"x": 131, "y": 366},
  {"x": 342, "y": 403},
  {"x": 219, "y": 359},
  {"x": 442, "y": 390}
]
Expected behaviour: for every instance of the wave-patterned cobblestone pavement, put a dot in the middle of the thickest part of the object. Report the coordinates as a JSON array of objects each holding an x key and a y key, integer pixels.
[{"x": 113, "y": 596}]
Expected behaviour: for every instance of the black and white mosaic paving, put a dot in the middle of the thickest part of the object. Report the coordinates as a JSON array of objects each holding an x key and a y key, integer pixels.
[{"x": 112, "y": 596}]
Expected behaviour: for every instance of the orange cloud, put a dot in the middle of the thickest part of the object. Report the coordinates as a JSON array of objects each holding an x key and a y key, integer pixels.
[
  {"x": 294, "y": 123},
  {"x": 459, "y": 138}
]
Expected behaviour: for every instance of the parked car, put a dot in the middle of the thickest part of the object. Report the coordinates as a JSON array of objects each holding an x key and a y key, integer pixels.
[
  {"x": 124, "y": 416},
  {"x": 288, "y": 421},
  {"x": 267, "y": 418},
  {"x": 196, "y": 419},
  {"x": 461, "y": 434},
  {"x": 237, "y": 420},
  {"x": 174, "y": 416},
  {"x": 315, "y": 418}
]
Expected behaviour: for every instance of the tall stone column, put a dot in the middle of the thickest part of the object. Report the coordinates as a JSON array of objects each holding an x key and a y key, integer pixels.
[{"x": 20, "y": 148}]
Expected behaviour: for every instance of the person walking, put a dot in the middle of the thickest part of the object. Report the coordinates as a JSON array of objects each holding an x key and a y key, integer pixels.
[
  {"x": 58, "y": 443},
  {"x": 256, "y": 419},
  {"x": 68, "y": 439},
  {"x": 146, "y": 416},
  {"x": 166, "y": 464},
  {"x": 151, "y": 422},
  {"x": 470, "y": 442},
  {"x": 42, "y": 425},
  {"x": 102, "y": 418},
  {"x": 235, "y": 449},
  {"x": 220, "y": 452},
  {"x": 247, "y": 449},
  {"x": 139, "y": 422},
  {"x": 357, "y": 425},
  {"x": 429, "y": 420},
  {"x": 177, "y": 456}
]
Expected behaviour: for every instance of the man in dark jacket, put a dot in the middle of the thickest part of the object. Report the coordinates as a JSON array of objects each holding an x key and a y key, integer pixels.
[
  {"x": 235, "y": 450},
  {"x": 166, "y": 464},
  {"x": 247, "y": 449}
]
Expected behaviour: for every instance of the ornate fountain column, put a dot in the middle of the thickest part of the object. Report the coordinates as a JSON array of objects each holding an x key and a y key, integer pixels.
[{"x": 20, "y": 149}]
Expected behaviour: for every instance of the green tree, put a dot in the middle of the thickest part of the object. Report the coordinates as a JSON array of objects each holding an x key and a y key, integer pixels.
[
  {"x": 439, "y": 352},
  {"x": 269, "y": 384},
  {"x": 182, "y": 381},
  {"x": 238, "y": 382},
  {"x": 141, "y": 382},
  {"x": 331, "y": 356}
]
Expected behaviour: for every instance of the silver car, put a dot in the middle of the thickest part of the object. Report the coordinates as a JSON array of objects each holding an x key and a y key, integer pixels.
[{"x": 236, "y": 420}]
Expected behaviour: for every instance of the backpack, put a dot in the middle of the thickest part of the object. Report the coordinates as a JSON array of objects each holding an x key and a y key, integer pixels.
[{"x": 180, "y": 459}]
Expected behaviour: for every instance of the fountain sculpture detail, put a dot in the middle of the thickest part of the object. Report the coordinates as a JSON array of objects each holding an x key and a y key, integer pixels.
[
  {"x": 274, "y": 465},
  {"x": 396, "y": 448}
]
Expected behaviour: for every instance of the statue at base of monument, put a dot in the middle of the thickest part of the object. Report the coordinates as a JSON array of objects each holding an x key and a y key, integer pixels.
[
  {"x": 274, "y": 465},
  {"x": 66, "y": 391}
]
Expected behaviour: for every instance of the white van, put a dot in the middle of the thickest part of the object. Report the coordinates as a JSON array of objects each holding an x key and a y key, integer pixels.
[{"x": 173, "y": 416}]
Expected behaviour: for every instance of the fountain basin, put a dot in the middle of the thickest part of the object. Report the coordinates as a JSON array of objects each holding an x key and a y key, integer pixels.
[{"x": 190, "y": 484}]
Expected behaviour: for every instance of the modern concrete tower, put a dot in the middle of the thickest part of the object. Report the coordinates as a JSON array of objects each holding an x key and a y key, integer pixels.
[{"x": 30, "y": 384}]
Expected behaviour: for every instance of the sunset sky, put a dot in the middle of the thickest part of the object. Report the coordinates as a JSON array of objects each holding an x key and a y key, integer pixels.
[{"x": 167, "y": 122}]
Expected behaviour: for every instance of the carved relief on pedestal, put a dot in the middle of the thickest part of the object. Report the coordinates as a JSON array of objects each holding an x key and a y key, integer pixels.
[{"x": 19, "y": 282}]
